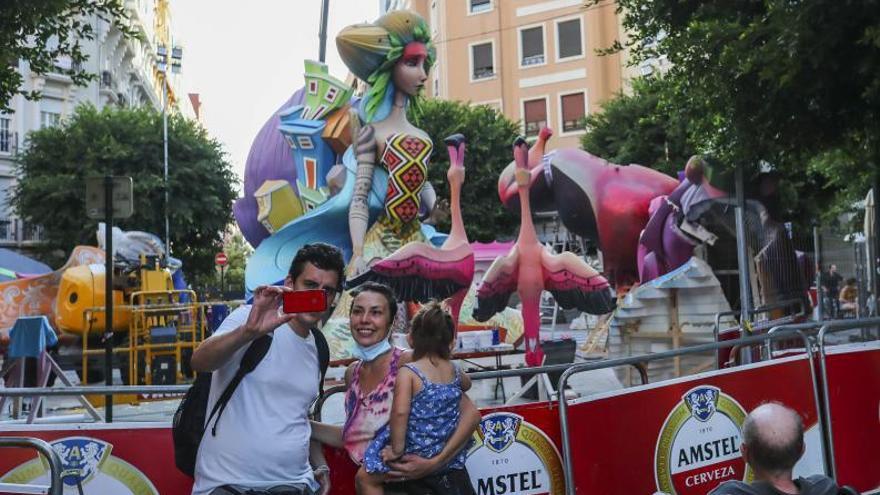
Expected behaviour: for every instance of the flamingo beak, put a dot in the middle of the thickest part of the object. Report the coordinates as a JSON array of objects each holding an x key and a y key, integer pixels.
[
  {"x": 521, "y": 153},
  {"x": 455, "y": 145}
]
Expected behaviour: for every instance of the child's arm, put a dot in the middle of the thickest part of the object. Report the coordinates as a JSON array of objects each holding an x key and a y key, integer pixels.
[{"x": 403, "y": 392}]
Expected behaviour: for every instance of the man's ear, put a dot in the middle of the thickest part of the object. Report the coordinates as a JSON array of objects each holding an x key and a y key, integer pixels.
[
  {"x": 744, "y": 450},
  {"x": 288, "y": 280}
]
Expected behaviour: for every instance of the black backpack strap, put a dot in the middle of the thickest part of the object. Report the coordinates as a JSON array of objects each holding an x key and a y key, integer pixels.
[
  {"x": 323, "y": 356},
  {"x": 249, "y": 361}
]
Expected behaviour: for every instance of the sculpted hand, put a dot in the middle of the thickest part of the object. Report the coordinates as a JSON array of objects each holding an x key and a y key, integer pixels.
[
  {"x": 356, "y": 266},
  {"x": 266, "y": 314}
]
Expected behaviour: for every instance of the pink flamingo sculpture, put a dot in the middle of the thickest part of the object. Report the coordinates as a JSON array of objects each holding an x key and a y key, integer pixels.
[
  {"x": 419, "y": 271},
  {"x": 529, "y": 269}
]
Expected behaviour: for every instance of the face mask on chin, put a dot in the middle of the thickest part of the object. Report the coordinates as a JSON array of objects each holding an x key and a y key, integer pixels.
[{"x": 372, "y": 352}]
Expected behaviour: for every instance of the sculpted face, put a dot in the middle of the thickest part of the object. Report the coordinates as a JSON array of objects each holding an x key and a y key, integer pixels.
[{"x": 410, "y": 72}]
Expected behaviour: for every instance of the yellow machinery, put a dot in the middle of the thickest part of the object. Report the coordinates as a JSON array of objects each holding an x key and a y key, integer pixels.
[{"x": 153, "y": 333}]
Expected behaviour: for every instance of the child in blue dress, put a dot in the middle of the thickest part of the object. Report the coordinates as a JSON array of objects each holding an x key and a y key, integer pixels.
[{"x": 425, "y": 410}]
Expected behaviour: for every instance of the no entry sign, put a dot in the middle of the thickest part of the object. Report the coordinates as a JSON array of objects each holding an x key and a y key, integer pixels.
[{"x": 220, "y": 259}]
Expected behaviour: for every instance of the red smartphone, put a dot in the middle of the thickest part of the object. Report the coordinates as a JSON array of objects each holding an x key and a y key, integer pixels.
[{"x": 304, "y": 301}]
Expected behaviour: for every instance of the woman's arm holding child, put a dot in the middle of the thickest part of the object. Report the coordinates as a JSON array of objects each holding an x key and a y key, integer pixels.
[{"x": 400, "y": 407}]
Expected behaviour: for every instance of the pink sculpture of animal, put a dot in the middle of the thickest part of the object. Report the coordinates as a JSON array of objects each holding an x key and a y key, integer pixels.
[
  {"x": 529, "y": 269},
  {"x": 419, "y": 271}
]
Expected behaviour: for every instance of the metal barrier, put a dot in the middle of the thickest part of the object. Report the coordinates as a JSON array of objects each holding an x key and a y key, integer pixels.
[
  {"x": 581, "y": 367},
  {"x": 788, "y": 303},
  {"x": 827, "y": 328},
  {"x": 55, "y": 487},
  {"x": 319, "y": 403}
]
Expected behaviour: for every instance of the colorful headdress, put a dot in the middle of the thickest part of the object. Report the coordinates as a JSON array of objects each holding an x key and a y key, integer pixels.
[{"x": 371, "y": 50}]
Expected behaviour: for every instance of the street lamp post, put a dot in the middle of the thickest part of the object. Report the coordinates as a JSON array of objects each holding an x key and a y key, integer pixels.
[{"x": 176, "y": 56}]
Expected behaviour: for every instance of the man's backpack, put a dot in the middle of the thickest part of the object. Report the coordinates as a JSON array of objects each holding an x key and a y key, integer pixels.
[{"x": 190, "y": 420}]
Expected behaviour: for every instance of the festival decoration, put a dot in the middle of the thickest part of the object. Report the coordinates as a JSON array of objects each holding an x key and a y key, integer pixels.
[
  {"x": 420, "y": 271},
  {"x": 529, "y": 269}
]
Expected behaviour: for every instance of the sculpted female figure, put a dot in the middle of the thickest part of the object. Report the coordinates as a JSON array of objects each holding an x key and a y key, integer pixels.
[{"x": 393, "y": 55}]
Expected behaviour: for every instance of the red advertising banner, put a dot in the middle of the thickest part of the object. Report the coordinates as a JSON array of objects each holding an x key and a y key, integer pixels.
[
  {"x": 120, "y": 458},
  {"x": 682, "y": 436},
  {"x": 516, "y": 450},
  {"x": 853, "y": 377}
]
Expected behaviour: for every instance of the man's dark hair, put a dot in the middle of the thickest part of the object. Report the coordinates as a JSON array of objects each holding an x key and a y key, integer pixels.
[
  {"x": 323, "y": 256},
  {"x": 379, "y": 289},
  {"x": 777, "y": 455},
  {"x": 432, "y": 331}
]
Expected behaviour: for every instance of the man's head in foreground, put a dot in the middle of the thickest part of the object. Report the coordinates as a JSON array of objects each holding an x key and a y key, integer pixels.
[{"x": 773, "y": 439}]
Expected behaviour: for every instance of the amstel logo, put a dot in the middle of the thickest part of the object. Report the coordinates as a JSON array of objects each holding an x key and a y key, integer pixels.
[
  {"x": 85, "y": 462},
  {"x": 512, "y": 456},
  {"x": 698, "y": 447}
]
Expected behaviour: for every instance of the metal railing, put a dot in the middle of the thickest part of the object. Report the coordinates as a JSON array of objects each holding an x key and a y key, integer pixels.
[
  {"x": 582, "y": 367},
  {"x": 55, "y": 487}
]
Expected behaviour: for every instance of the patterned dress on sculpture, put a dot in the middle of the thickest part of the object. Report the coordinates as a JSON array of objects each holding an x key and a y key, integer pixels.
[
  {"x": 406, "y": 158},
  {"x": 433, "y": 417}
]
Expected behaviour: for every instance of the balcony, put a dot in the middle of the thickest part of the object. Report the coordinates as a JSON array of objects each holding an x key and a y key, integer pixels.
[
  {"x": 17, "y": 232},
  {"x": 483, "y": 73},
  {"x": 533, "y": 60}
]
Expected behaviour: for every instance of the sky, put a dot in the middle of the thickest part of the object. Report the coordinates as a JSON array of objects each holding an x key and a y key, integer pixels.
[{"x": 246, "y": 61}]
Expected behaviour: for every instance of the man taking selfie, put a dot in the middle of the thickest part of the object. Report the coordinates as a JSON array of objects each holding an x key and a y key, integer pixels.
[{"x": 261, "y": 444}]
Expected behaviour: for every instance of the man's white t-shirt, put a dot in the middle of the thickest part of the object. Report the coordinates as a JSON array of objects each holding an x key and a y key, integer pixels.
[{"x": 263, "y": 435}]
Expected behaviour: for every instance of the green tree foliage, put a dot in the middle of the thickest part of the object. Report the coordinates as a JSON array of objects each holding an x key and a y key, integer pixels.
[
  {"x": 238, "y": 251},
  {"x": 489, "y": 138},
  {"x": 127, "y": 142},
  {"x": 779, "y": 83},
  {"x": 639, "y": 128},
  {"x": 40, "y": 32}
]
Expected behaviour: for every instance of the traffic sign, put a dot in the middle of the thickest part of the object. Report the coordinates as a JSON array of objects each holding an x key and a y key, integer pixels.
[
  {"x": 123, "y": 198},
  {"x": 220, "y": 259}
]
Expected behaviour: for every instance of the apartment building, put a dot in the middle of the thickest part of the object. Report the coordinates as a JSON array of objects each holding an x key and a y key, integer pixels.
[
  {"x": 127, "y": 75},
  {"x": 536, "y": 61}
]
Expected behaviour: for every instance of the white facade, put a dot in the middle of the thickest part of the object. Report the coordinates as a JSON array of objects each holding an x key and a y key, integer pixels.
[{"x": 126, "y": 76}]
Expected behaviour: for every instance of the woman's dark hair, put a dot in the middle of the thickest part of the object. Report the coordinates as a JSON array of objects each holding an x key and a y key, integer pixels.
[
  {"x": 432, "y": 331},
  {"x": 378, "y": 289},
  {"x": 850, "y": 281}
]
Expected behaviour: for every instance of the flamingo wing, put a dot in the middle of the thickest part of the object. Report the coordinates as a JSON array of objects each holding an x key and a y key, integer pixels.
[
  {"x": 574, "y": 284},
  {"x": 420, "y": 272},
  {"x": 498, "y": 284}
]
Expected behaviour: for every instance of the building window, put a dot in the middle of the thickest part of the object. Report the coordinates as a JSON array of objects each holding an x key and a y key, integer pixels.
[
  {"x": 573, "y": 112},
  {"x": 534, "y": 116},
  {"x": 5, "y": 135},
  {"x": 49, "y": 119},
  {"x": 569, "y": 40},
  {"x": 477, "y": 6},
  {"x": 532, "y": 46},
  {"x": 482, "y": 61}
]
